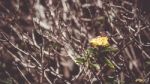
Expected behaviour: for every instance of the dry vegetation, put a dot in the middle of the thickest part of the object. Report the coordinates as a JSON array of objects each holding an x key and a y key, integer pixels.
[{"x": 42, "y": 40}]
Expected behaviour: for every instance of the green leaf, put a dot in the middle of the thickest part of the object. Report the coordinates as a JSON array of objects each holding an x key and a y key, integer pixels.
[
  {"x": 95, "y": 66},
  {"x": 90, "y": 50},
  {"x": 109, "y": 63},
  {"x": 110, "y": 49},
  {"x": 80, "y": 60}
]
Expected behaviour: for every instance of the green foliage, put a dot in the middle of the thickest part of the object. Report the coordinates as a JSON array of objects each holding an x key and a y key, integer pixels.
[
  {"x": 109, "y": 63},
  {"x": 110, "y": 49},
  {"x": 88, "y": 58},
  {"x": 96, "y": 66},
  {"x": 80, "y": 60}
]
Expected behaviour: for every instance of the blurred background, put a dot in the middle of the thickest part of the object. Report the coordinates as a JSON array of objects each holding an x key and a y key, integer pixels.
[{"x": 40, "y": 41}]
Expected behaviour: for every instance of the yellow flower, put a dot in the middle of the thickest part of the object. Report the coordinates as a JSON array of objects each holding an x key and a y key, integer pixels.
[{"x": 99, "y": 41}]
